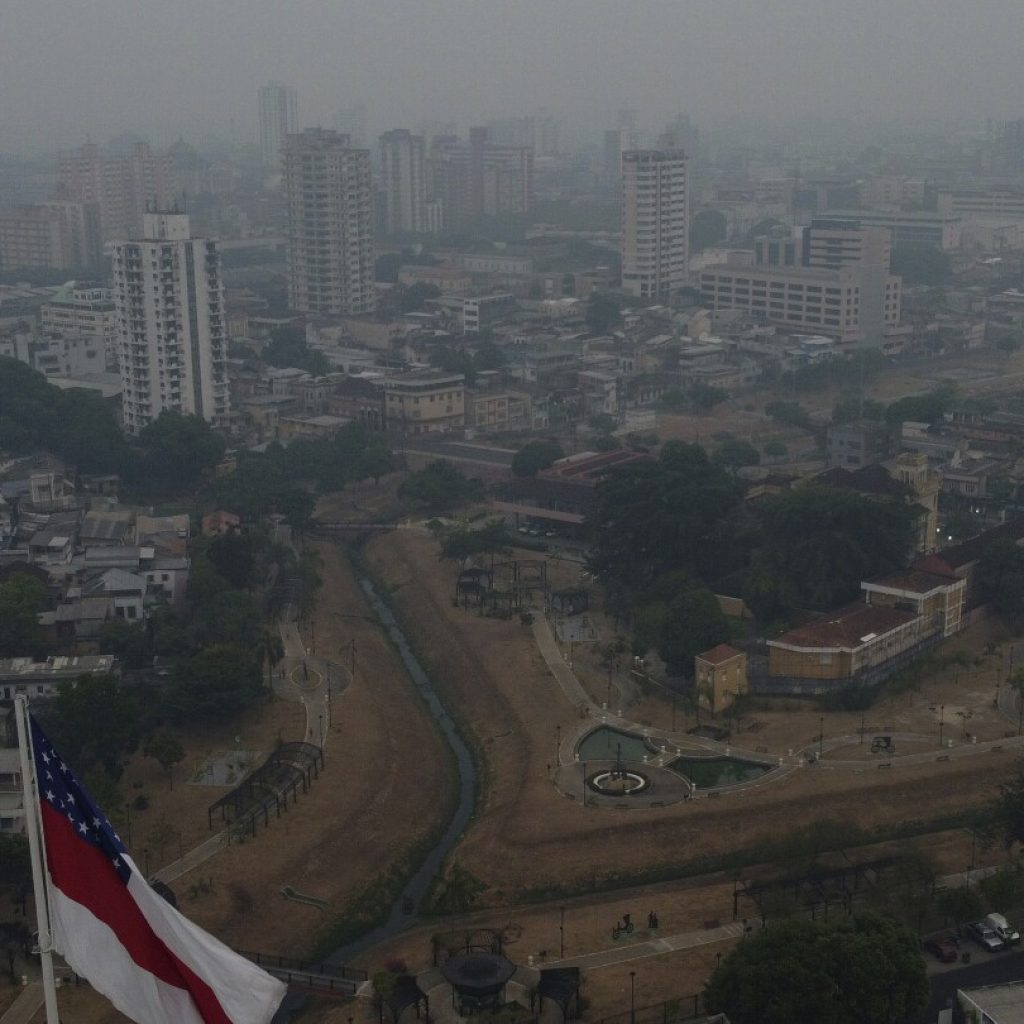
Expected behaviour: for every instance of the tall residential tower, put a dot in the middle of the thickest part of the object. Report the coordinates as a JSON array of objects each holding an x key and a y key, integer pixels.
[
  {"x": 170, "y": 316},
  {"x": 329, "y": 192},
  {"x": 403, "y": 176},
  {"x": 279, "y": 118},
  {"x": 655, "y": 222}
]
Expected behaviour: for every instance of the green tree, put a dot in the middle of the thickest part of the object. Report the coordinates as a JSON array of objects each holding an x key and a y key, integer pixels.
[
  {"x": 775, "y": 450},
  {"x": 233, "y": 556},
  {"x": 703, "y": 398},
  {"x": 693, "y": 622},
  {"x": 270, "y": 649},
  {"x": 1000, "y": 577},
  {"x": 15, "y": 866},
  {"x": 928, "y": 408},
  {"x": 818, "y": 543},
  {"x": 376, "y": 461},
  {"x": 439, "y": 487},
  {"x": 707, "y": 228},
  {"x": 602, "y": 313},
  {"x": 853, "y": 408},
  {"x": 791, "y": 414},
  {"x": 215, "y": 685},
  {"x": 534, "y": 456},
  {"x": 96, "y": 723},
  {"x": 654, "y": 517},
  {"x": 22, "y": 598},
  {"x": 288, "y": 348},
  {"x": 176, "y": 453},
  {"x": 130, "y": 642},
  {"x": 960, "y": 905},
  {"x": 866, "y": 968},
  {"x": 1005, "y": 823},
  {"x": 166, "y": 749},
  {"x": 735, "y": 453}
]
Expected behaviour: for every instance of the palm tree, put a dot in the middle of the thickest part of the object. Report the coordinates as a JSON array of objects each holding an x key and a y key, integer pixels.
[{"x": 270, "y": 651}]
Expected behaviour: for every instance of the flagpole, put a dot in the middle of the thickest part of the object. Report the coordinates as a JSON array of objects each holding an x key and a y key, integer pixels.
[{"x": 28, "y": 788}]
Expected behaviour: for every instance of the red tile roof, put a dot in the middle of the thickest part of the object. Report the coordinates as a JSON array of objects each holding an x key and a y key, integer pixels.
[
  {"x": 916, "y": 580},
  {"x": 723, "y": 652},
  {"x": 846, "y": 628}
]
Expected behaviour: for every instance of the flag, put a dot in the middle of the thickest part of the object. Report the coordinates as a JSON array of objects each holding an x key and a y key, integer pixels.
[{"x": 118, "y": 933}]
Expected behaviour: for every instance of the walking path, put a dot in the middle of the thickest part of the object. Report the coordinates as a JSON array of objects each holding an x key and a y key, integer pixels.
[{"x": 26, "y": 1006}]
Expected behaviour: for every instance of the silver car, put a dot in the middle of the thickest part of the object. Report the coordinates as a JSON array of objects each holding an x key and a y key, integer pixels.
[{"x": 985, "y": 936}]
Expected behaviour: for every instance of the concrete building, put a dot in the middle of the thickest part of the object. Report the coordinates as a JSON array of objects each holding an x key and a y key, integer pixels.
[
  {"x": 403, "y": 181},
  {"x": 424, "y": 402},
  {"x": 169, "y": 298},
  {"x": 616, "y": 142},
  {"x": 122, "y": 185},
  {"x": 279, "y": 118},
  {"x": 84, "y": 309},
  {"x": 329, "y": 192},
  {"x": 908, "y": 228},
  {"x": 655, "y": 222},
  {"x": 58, "y": 235},
  {"x": 720, "y": 676}
]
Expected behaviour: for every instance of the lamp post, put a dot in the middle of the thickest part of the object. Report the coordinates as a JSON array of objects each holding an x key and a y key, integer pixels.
[
  {"x": 561, "y": 933},
  {"x": 558, "y": 745},
  {"x": 632, "y": 997},
  {"x": 321, "y": 717},
  {"x": 942, "y": 721},
  {"x": 821, "y": 735}
]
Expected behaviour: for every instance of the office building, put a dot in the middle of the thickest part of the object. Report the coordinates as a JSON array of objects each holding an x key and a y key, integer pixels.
[
  {"x": 56, "y": 235},
  {"x": 122, "y": 185},
  {"x": 822, "y": 281},
  {"x": 84, "y": 309},
  {"x": 403, "y": 182},
  {"x": 329, "y": 195},
  {"x": 655, "y": 222},
  {"x": 170, "y": 313},
  {"x": 279, "y": 118},
  {"x": 907, "y": 228},
  {"x": 616, "y": 142},
  {"x": 425, "y": 402}
]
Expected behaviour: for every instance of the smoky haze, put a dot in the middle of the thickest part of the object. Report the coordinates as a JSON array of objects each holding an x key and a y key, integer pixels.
[{"x": 193, "y": 66}]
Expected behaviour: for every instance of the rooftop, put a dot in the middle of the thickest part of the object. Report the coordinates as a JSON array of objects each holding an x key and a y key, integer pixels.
[
  {"x": 847, "y": 629},
  {"x": 914, "y": 580},
  {"x": 720, "y": 654}
]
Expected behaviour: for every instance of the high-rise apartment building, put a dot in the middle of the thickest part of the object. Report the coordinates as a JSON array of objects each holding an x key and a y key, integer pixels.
[
  {"x": 480, "y": 179},
  {"x": 170, "y": 313},
  {"x": 57, "y": 235},
  {"x": 655, "y": 222},
  {"x": 616, "y": 142},
  {"x": 403, "y": 183},
  {"x": 84, "y": 309},
  {"x": 123, "y": 185},
  {"x": 351, "y": 121},
  {"x": 279, "y": 118},
  {"x": 329, "y": 194}
]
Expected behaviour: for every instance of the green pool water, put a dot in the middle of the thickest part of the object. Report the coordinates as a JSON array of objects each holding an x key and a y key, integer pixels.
[
  {"x": 706, "y": 773},
  {"x": 602, "y": 745}
]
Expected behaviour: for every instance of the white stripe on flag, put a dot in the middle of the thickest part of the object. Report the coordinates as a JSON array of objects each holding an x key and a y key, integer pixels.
[
  {"x": 246, "y": 992},
  {"x": 85, "y": 942}
]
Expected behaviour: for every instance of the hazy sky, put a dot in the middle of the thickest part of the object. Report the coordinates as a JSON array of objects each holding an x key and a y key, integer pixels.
[{"x": 72, "y": 67}]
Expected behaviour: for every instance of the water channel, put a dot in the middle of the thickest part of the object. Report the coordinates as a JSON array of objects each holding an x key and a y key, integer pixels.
[{"x": 416, "y": 887}]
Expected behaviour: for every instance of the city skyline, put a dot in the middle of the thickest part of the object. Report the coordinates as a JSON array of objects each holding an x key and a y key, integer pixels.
[{"x": 408, "y": 63}]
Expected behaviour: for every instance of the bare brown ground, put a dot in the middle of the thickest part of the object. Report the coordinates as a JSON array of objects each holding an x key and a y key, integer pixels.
[
  {"x": 526, "y": 835},
  {"x": 379, "y": 793}
]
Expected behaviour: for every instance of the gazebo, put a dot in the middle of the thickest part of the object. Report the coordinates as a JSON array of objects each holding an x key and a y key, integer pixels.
[{"x": 477, "y": 979}]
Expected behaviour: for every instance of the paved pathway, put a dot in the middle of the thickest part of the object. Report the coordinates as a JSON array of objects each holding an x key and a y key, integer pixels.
[{"x": 26, "y": 1006}]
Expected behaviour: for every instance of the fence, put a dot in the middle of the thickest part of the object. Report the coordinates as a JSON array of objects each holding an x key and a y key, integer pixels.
[{"x": 671, "y": 1011}]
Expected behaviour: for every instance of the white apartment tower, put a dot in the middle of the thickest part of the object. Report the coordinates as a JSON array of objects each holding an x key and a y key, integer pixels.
[
  {"x": 329, "y": 193},
  {"x": 170, "y": 312},
  {"x": 279, "y": 118},
  {"x": 403, "y": 182},
  {"x": 655, "y": 222}
]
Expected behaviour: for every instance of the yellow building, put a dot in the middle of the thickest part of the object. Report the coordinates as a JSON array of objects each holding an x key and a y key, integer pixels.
[
  {"x": 720, "y": 676},
  {"x": 425, "y": 402}
]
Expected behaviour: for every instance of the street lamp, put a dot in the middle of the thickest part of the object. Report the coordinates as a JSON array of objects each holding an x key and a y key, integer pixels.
[
  {"x": 321, "y": 730},
  {"x": 942, "y": 721},
  {"x": 632, "y": 997},
  {"x": 821, "y": 735},
  {"x": 561, "y": 933}
]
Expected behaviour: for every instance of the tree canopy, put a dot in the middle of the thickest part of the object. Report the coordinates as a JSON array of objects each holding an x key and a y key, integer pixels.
[
  {"x": 819, "y": 543},
  {"x": 288, "y": 348},
  {"x": 1001, "y": 577},
  {"x": 659, "y": 516},
  {"x": 440, "y": 487},
  {"x": 216, "y": 683},
  {"x": 175, "y": 453},
  {"x": 928, "y": 408},
  {"x": 535, "y": 456},
  {"x": 97, "y": 723},
  {"x": 921, "y": 264},
  {"x": 866, "y": 968},
  {"x": 734, "y": 453},
  {"x": 602, "y": 312},
  {"x": 22, "y": 598}
]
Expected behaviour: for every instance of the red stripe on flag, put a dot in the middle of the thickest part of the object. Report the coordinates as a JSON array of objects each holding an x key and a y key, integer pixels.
[{"x": 82, "y": 872}]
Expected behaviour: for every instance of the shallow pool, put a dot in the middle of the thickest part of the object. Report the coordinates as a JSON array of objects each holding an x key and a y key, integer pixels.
[
  {"x": 604, "y": 743},
  {"x": 708, "y": 772}
]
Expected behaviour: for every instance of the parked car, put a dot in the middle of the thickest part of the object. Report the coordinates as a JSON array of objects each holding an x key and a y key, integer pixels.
[
  {"x": 943, "y": 948},
  {"x": 1003, "y": 929},
  {"x": 985, "y": 936}
]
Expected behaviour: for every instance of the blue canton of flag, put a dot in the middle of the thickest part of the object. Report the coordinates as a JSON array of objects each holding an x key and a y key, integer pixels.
[{"x": 65, "y": 794}]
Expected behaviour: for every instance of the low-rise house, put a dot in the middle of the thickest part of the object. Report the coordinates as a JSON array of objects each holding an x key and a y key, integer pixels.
[
  {"x": 25, "y": 677},
  {"x": 114, "y": 527},
  {"x": 292, "y": 427},
  {"x": 219, "y": 523},
  {"x": 127, "y": 590},
  {"x": 169, "y": 575},
  {"x": 81, "y": 617},
  {"x": 720, "y": 676}
]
